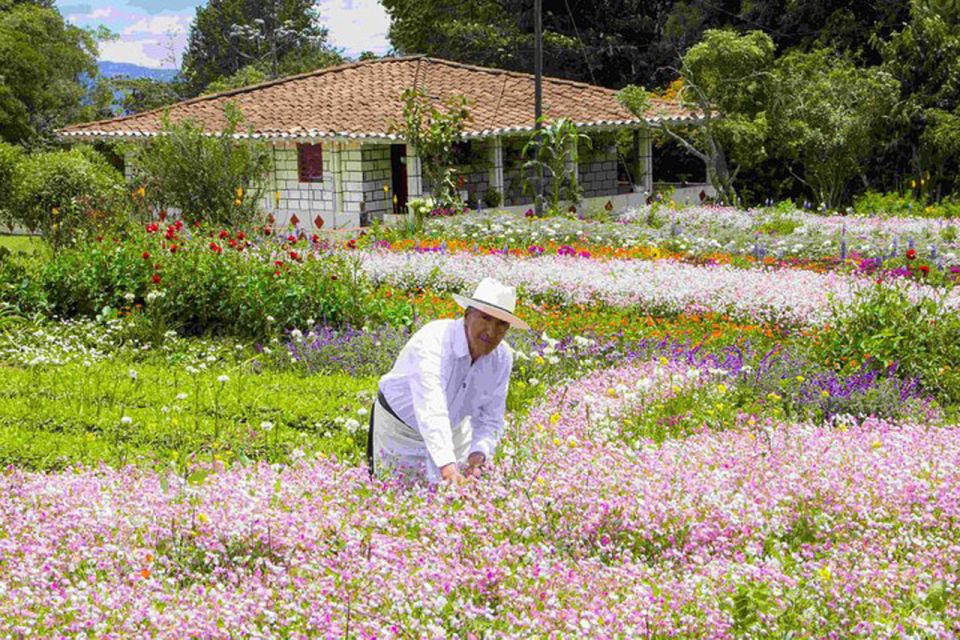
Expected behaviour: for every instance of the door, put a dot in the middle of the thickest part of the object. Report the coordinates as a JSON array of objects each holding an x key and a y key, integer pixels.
[{"x": 398, "y": 171}]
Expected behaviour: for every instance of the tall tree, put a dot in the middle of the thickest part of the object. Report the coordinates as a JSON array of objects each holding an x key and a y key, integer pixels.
[
  {"x": 827, "y": 116},
  {"x": 924, "y": 56},
  {"x": 726, "y": 78},
  {"x": 277, "y": 36},
  {"x": 43, "y": 62}
]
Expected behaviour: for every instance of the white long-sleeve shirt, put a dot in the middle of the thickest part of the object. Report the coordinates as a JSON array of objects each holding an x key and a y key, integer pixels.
[{"x": 433, "y": 385}]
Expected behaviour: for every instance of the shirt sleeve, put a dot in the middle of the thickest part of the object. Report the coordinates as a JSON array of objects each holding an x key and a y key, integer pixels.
[
  {"x": 430, "y": 401},
  {"x": 488, "y": 423}
]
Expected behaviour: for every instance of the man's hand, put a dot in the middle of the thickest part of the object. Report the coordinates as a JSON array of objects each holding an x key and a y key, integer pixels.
[
  {"x": 450, "y": 473},
  {"x": 475, "y": 462}
]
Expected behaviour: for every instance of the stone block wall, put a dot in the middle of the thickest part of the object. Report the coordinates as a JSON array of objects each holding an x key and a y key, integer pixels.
[
  {"x": 598, "y": 171},
  {"x": 286, "y": 195},
  {"x": 376, "y": 175},
  {"x": 475, "y": 173}
]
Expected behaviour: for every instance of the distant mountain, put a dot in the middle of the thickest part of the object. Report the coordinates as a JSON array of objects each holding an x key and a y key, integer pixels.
[{"x": 111, "y": 69}]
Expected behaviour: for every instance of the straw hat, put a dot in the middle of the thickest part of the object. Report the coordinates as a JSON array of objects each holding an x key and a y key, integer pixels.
[{"x": 495, "y": 299}]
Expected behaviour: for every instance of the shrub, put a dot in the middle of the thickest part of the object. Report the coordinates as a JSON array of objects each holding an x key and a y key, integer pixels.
[
  {"x": 211, "y": 179},
  {"x": 492, "y": 198},
  {"x": 885, "y": 330},
  {"x": 210, "y": 283},
  {"x": 10, "y": 156},
  {"x": 68, "y": 195}
]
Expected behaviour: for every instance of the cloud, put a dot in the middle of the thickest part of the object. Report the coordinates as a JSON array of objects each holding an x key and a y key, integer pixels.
[
  {"x": 159, "y": 25},
  {"x": 157, "y": 53},
  {"x": 356, "y": 25},
  {"x": 159, "y": 6}
]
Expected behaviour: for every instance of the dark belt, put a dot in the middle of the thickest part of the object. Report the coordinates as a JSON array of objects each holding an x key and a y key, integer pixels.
[{"x": 386, "y": 406}]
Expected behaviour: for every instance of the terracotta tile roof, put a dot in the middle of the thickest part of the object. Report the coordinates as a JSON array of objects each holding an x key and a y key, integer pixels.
[{"x": 362, "y": 100}]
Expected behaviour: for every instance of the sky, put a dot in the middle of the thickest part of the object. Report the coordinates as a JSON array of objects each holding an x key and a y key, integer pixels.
[{"x": 153, "y": 33}]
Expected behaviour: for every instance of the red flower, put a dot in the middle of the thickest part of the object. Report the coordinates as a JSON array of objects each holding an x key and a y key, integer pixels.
[
  {"x": 173, "y": 248},
  {"x": 278, "y": 263},
  {"x": 153, "y": 227},
  {"x": 267, "y": 231},
  {"x": 146, "y": 256},
  {"x": 924, "y": 269},
  {"x": 178, "y": 224},
  {"x": 291, "y": 238},
  {"x": 224, "y": 234},
  {"x": 240, "y": 235},
  {"x": 294, "y": 255},
  {"x": 215, "y": 248},
  {"x": 911, "y": 254},
  {"x": 156, "y": 278},
  {"x": 352, "y": 244},
  {"x": 276, "y": 273},
  {"x": 315, "y": 239},
  {"x": 333, "y": 276}
]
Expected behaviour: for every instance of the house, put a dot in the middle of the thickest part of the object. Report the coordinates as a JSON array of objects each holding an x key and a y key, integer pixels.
[{"x": 340, "y": 162}]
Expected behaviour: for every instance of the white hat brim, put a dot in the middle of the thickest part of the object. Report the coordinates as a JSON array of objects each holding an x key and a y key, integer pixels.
[{"x": 493, "y": 310}]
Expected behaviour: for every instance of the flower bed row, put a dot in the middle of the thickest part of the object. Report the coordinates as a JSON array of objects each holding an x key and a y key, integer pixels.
[{"x": 770, "y": 528}]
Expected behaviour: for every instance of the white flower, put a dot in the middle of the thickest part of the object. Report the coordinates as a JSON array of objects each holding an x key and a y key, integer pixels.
[
  {"x": 126, "y": 420},
  {"x": 533, "y": 382},
  {"x": 133, "y": 374},
  {"x": 129, "y": 297},
  {"x": 363, "y": 411},
  {"x": 266, "y": 425},
  {"x": 192, "y": 370},
  {"x": 181, "y": 396},
  {"x": 296, "y": 334},
  {"x": 311, "y": 321},
  {"x": 351, "y": 425},
  {"x": 271, "y": 319},
  {"x": 223, "y": 379}
]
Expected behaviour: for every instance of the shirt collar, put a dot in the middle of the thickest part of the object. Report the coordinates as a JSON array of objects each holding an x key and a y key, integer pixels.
[{"x": 460, "y": 346}]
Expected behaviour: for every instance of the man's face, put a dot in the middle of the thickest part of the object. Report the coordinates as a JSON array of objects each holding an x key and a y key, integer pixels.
[{"x": 484, "y": 332}]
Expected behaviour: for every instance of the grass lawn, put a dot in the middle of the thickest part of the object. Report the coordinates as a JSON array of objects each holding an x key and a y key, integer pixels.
[{"x": 28, "y": 244}]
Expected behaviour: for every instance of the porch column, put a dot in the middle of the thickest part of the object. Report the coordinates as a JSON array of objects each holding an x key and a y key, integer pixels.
[
  {"x": 336, "y": 169},
  {"x": 643, "y": 152},
  {"x": 496, "y": 166},
  {"x": 414, "y": 174}
]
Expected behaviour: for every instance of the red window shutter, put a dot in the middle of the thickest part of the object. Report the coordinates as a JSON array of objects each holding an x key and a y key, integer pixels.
[{"x": 310, "y": 162}]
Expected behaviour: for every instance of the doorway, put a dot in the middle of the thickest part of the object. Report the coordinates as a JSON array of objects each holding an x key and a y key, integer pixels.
[{"x": 398, "y": 172}]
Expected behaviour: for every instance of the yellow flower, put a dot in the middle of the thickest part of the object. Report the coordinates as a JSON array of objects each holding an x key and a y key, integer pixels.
[
  {"x": 663, "y": 360},
  {"x": 801, "y": 379},
  {"x": 203, "y": 518},
  {"x": 722, "y": 388},
  {"x": 675, "y": 389},
  {"x": 555, "y": 418},
  {"x": 239, "y": 192},
  {"x": 824, "y": 393},
  {"x": 539, "y": 426},
  {"x": 238, "y": 202},
  {"x": 773, "y": 396},
  {"x": 612, "y": 392},
  {"x": 558, "y": 442},
  {"x": 55, "y": 211}
]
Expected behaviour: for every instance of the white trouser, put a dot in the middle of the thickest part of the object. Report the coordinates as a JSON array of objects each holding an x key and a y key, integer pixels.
[{"x": 401, "y": 448}]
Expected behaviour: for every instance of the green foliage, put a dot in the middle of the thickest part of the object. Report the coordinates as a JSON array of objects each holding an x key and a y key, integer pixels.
[
  {"x": 211, "y": 179},
  {"x": 144, "y": 94},
  {"x": 827, "y": 117},
  {"x": 10, "y": 156},
  {"x": 205, "y": 291},
  {"x": 433, "y": 133},
  {"x": 282, "y": 37},
  {"x": 492, "y": 198},
  {"x": 248, "y": 75},
  {"x": 68, "y": 196},
  {"x": 555, "y": 147},
  {"x": 883, "y": 327},
  {"x": 726, "y": 77},
  {"x": 43, "y": 60}
]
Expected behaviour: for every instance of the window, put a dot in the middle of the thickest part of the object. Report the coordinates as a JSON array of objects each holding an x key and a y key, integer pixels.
[{"x": 310, "y": 162}]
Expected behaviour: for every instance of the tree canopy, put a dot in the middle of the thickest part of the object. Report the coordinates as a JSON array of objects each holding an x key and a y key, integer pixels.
[
  {"x": 44, "y": 61},
  {"x": 279, "y": 37}
]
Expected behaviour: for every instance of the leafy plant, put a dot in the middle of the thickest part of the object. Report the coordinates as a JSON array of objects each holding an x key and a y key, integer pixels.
[
  {"x": 555, "y": 148},
  {"x": 212, "y": 179},
  {"x": 68, "y": 196},
  {"x": 433, "y": 133}
]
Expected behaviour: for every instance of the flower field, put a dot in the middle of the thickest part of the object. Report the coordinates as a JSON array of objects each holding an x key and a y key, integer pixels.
[{"x": 702, "y": 441}]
